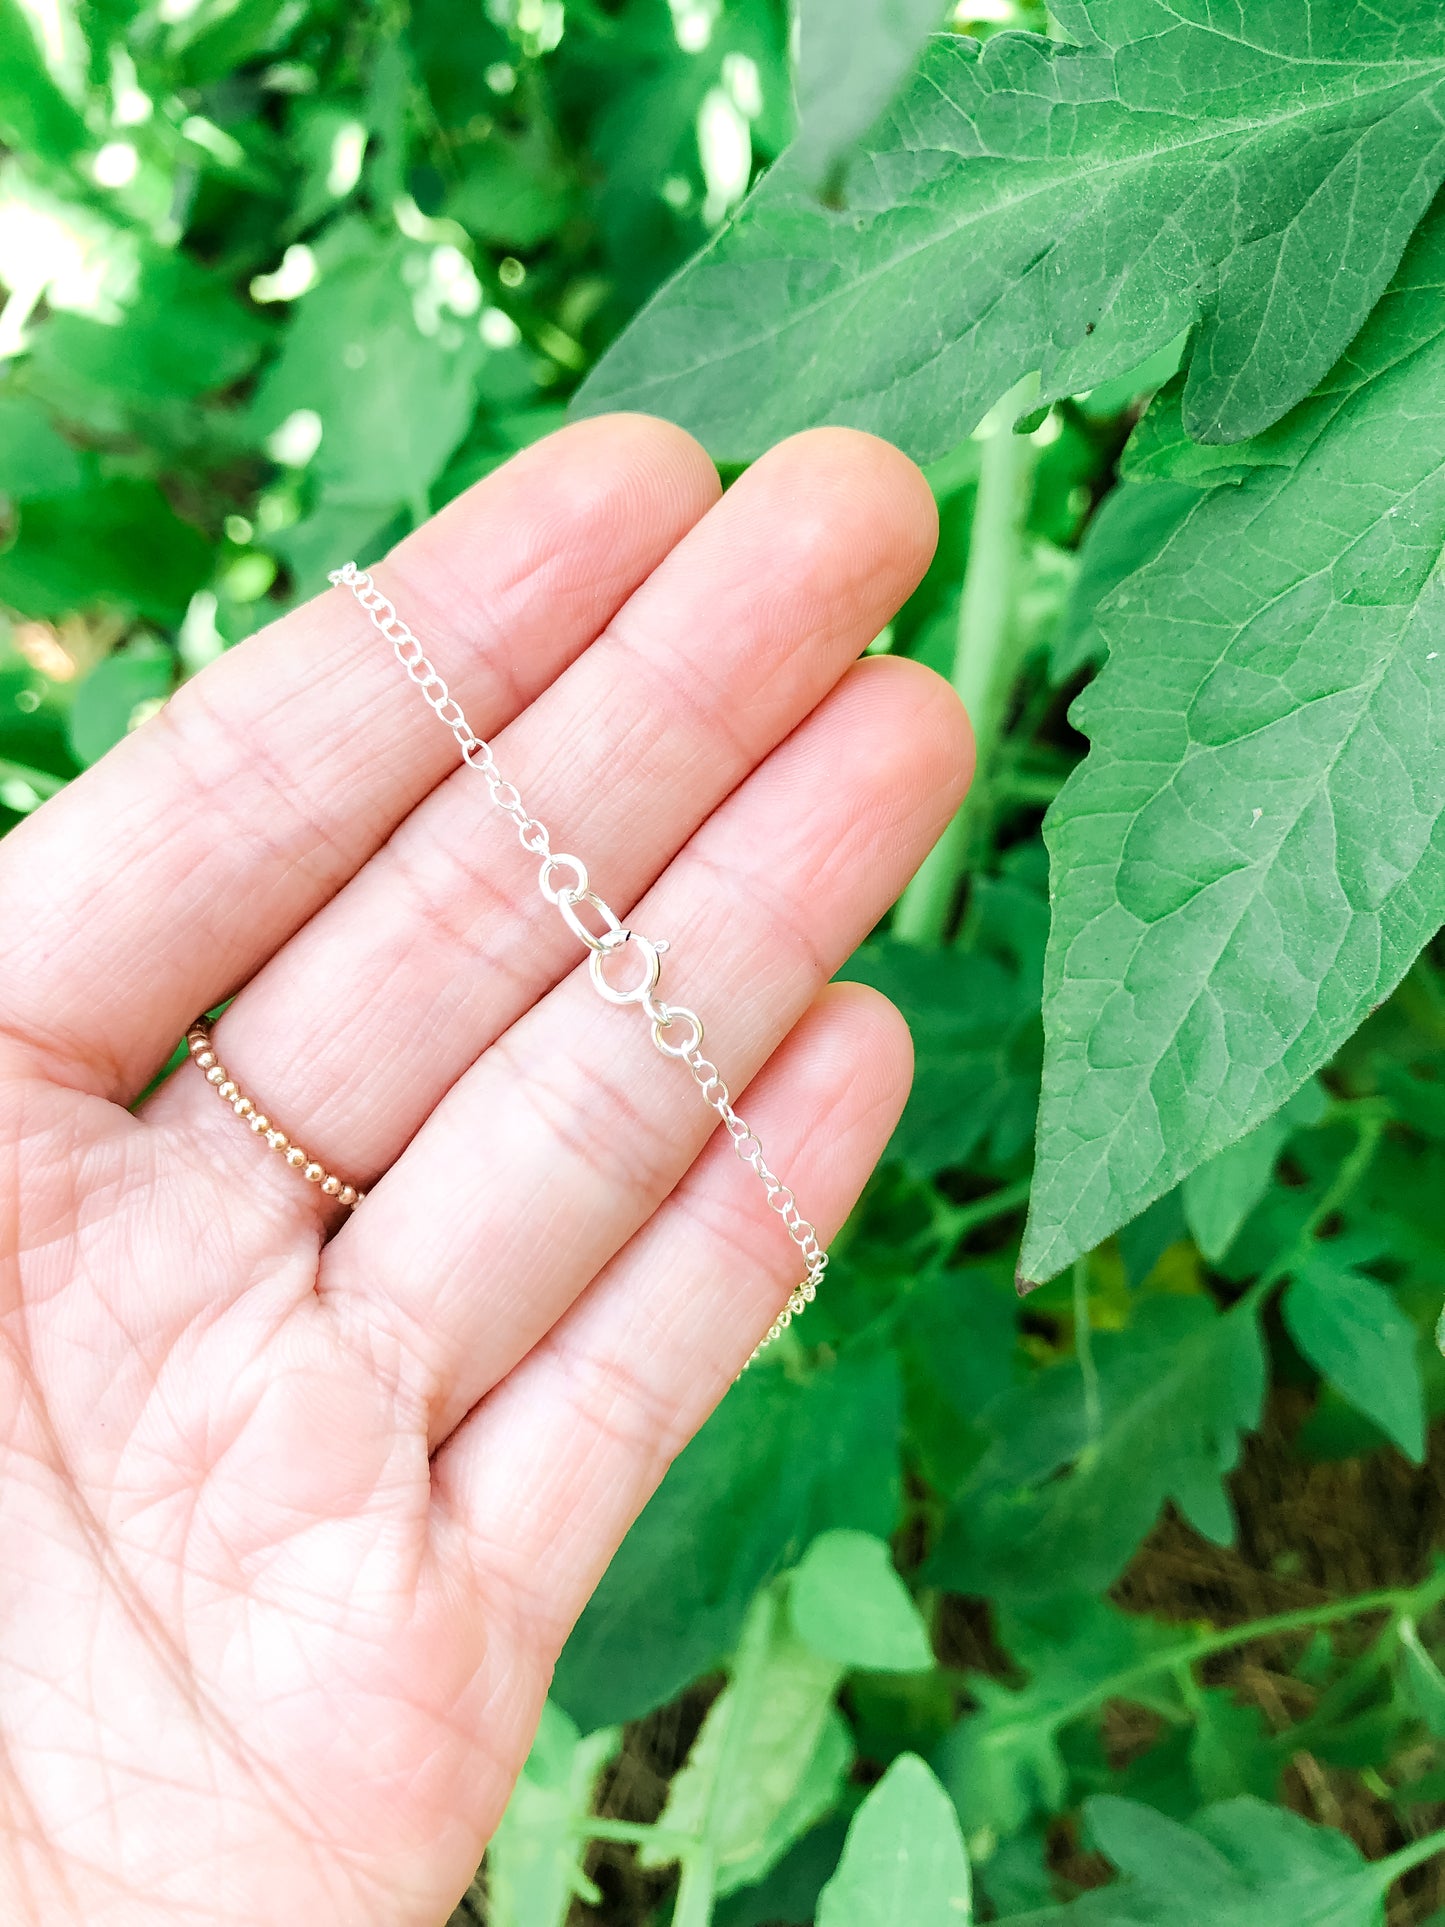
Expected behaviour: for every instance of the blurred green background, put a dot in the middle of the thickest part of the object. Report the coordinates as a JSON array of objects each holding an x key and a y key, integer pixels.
[{"x": 1141, "y": 1567}]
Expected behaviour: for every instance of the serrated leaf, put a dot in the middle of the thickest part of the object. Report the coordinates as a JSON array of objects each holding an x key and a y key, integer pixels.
[
  {"x": 1175, "y": 1392},
  {"x": 534, "y": 1862},
  {"x": 1219, "y": 1195},
  {"x": 848, "y": 1604},
  {"x": 768, "y": 1760},
  {"x": 1242, "y": 1863},
  {"x": 974, "y": 1015},
  {"x": 1254, "y": 850},
  {"x": 1351, "y": 1329},
  {"x": 975, "y": 1028},
  {"x": 1133, "y": 523},
  {"x": 1002, "y": 1762},
  {"x": 775, "y": 1465},
  {"x": 904, "y": 1863},
  {"x": 1029, "y": 205},
  {"x": 850, "y": 61}
]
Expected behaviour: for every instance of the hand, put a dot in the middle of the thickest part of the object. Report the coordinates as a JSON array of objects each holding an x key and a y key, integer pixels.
[{"x": 297, "y": 1508}]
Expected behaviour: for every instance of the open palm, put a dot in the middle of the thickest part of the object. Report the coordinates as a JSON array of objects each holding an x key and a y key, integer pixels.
[{"x": 297, "y": 1508}]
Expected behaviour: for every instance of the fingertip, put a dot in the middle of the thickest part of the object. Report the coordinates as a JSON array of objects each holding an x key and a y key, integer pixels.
[
  {"x": 862, "y": 1049},
  {"x": 921, "y": 744},
  {"x": 885, "y": 481}
]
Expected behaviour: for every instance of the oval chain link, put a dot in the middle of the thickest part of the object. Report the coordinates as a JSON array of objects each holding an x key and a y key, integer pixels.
[{"x": 534, "y": 838}]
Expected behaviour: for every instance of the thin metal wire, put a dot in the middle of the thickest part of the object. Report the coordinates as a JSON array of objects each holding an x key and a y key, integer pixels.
[{"x": 613, "y": 937}]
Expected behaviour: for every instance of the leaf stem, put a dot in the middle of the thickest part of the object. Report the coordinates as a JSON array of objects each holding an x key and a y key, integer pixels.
[
  {"x": 1369, "y": 1122},
  {"x": 958, "y": 1220},
  {"x": 1414, "y": 1601},
  {"x": 1414, "y": 1855},
  {"x": 1397, "y": 1601},
  {"x": 984, "y": 658}
]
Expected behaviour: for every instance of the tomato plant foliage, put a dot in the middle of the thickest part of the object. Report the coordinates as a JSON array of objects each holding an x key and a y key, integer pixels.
[
  {"x": 1117, "y": 1603},
  {"x": 1252, "y": 855}
]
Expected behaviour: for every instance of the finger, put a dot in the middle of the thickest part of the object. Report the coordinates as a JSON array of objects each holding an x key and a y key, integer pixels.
[
  {"x": 734, "y": 638},
  {"x": 166, "y": 875},
  {"x": 547, "y": 1156},
  {"x": 550, "y": 1471}
]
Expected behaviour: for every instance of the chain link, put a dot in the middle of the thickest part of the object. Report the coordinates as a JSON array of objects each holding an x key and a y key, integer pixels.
[{"x": 614, "y": 937}]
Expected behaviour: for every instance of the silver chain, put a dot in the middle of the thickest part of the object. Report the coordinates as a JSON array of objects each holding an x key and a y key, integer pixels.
[{"x": 613, "y": 937}]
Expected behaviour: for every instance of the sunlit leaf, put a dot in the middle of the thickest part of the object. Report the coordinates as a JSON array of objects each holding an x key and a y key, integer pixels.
[
  {"x": 1071, "y": 208},
  {"x": 904, "y": 1863}
]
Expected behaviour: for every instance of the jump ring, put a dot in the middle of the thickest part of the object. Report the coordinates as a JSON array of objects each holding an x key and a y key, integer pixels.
[{"x": 690, "y": 1018}]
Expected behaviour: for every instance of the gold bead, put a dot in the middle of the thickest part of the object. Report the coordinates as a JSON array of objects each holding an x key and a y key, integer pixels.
[
  {"x": 347, "y": 1194},
  {"x": 296, "y": 1157},
  {"x": 331, "y": 1186},
  {"x": 259, "y": 1122},
  {"x": 227, "y": 1090},
  {"x": 314, "y": 1172},
  {"x": 277, "y": 1140},
  {"x": 217, "y": 1074},
  {"x": 242, "y": 1106},
  {"x": 205, "y": 1058},
  {"x": 197, "y": 1041}
]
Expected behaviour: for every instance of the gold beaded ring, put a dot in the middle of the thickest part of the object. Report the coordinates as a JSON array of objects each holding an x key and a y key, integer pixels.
[{"x": 203, "y": 1055}]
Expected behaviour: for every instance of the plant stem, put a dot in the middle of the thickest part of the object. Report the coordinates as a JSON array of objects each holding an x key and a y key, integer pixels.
[
  {"x": 1369, "y": 1124},
  {"x": 1414, "y": 1855},
  {"x": 958, "y": 1220},
  {"x": 634, "y": 1833},
  {"x": 693, "y": 1906},
  {"x": 1399, "y": 1601},
  {"x": 984, "y": 652}
]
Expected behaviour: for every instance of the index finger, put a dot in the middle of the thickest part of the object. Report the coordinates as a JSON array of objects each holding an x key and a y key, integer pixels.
[{"x": 162, "y": 879}]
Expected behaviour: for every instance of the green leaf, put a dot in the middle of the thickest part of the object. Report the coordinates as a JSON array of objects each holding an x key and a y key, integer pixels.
[
  {"x": 1175, "y": 1391},
  {"x": 35, "y": 459},
  {"x": 957, "y": 1342},
  {"x": 1424, "y": 1682},
  {"x": 1254, "y": 850},
  {"x": 768, "y": 1761},
  {"x": 1071, "y": 209},
  {"x": 378, "y": 353},
  {"x": 1133, "y": 523},
  {"x": 1242, "y": 1864},
  {"x": 848, "y": 1603},
  {"x": 1220, "y": 1195},
  {"x": 974, "y": 1015},
  {"x": 534, "y": 1863},
  {"x": 182, "y": 334},
  {"x": 117, "y": 542},
  {"x": 34, "y": 115},
  {"x": 106, "y": 702},
  {"x": 777, "y": 1464},
  {"x": 1351, "y": 1329},
  {"x": 904, "y": 1863},
  {"x": 850, "y": 61},
  {"x": 1002, "y": 1763},
  {"x": 513, "y": 194},
  {"x": 975, "y": 1027}
]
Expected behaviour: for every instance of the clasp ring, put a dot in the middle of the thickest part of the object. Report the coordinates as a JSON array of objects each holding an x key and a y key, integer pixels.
[{"x": 640, "y": 992}]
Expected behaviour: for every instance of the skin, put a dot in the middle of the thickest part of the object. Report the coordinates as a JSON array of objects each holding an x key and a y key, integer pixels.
[{"x": 298, "y": 1509}]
